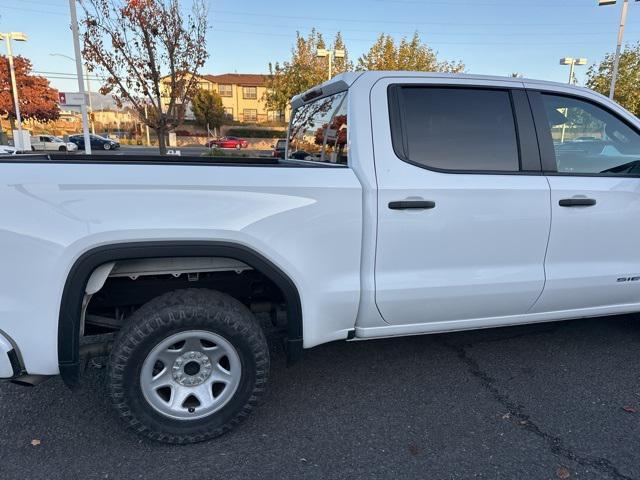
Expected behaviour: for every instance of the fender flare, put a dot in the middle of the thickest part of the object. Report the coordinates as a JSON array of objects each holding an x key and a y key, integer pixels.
[{"x": 74, "y": 288}]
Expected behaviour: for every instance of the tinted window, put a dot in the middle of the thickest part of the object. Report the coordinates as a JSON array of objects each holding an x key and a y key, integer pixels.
[
  {"x": 318, "y": 130},
  {"x": 458, "y": 128},
  {"x": 588, "y": 139}
]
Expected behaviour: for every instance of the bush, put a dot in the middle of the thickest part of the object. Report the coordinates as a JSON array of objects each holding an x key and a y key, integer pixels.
[
  {"x": 218, "y": 152},
  {"x": 187, "y": 133},
  {"x": 256, "y": 133}
]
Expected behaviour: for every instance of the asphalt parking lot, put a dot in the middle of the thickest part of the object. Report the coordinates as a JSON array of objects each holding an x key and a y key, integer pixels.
[{"x": 547, "y": 401}]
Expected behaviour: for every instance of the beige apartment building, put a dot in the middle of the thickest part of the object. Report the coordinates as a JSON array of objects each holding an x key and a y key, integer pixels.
[{"x": 243, "y": 97}]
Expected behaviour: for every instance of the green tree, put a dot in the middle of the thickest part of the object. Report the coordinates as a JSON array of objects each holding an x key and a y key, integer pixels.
[
  {"x": 303, "y": 70},
  {"x": 413, "y": 54},
  {"x": 208, "y": 110},
  {"x": 627, "y": 91}
]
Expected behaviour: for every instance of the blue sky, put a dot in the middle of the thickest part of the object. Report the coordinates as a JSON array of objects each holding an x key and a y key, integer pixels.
[{"x": 491, "y": 36}]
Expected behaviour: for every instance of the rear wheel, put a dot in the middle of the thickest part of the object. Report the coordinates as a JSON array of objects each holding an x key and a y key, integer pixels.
[
  {"x": 106, "y": 146},
  {"x": 188, "y": 366}
]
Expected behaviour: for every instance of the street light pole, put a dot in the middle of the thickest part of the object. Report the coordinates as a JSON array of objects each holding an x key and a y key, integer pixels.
[
  {"x": 21, "y": 37},
  {"x": 572, "y": 62},
  {"x": 86, "y": 77},
  {"x": 616, "y": 59},
  {"x": 76, "y": 48},
  {"x": 323, "y": 52}
]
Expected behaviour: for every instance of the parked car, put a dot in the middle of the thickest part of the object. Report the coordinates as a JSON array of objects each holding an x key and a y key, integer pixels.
[
  {"x": 444, "y": 206},
  {"x": 97, "y": 142},
  {"x": 8, "y": 150},
  {"x": 228, "y": 142},
  {"x": 279, "y": 148},
  {"x": 51, "y": 142}
]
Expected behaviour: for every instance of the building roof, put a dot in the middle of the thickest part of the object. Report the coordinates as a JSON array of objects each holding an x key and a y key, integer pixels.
[{"x": 250, "y": 79}]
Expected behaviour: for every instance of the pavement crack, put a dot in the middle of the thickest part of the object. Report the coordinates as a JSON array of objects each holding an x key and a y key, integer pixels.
[{"x": 522, "y": 420}]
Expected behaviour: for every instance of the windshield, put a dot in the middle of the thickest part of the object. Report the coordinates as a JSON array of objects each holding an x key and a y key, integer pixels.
[{"x": 318, "y": 130}]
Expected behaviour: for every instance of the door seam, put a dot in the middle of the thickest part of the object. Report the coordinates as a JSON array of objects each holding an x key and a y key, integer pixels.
[{"x": 546, "y": 250}]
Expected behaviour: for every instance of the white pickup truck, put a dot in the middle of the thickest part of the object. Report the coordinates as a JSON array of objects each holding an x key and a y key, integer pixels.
[{"x": 426, "y": 203}]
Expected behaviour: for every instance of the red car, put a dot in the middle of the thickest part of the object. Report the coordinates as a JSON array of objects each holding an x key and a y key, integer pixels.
[{"x": 228, "y": 142}]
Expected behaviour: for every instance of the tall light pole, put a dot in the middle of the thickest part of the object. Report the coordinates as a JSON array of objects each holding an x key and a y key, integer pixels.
[
  {"x": 323, "y": 52},
  {"x": 18, "y": 37},
  {"x": 76, "y": 49},
  {"x": 616, "y": 59},
  {"x": 572, "y": 62},
  {"x": 86, "y": 77}
]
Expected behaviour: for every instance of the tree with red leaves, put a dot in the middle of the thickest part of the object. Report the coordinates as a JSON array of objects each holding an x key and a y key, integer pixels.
[
  {"x": 149, "y": 53},
  {"x": 38, "y": 100}
]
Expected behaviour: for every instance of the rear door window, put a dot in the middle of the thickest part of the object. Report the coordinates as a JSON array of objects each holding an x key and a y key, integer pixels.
[{"x": 457, "y": 129}]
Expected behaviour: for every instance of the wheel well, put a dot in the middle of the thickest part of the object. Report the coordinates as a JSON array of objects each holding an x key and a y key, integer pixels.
[
  {"x": 252, "y": 279},
  {"x": 117, "y": 289}
]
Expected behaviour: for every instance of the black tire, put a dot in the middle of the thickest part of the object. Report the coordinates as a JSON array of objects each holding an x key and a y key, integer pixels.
[
  {"x": 166, "y": 315},
  {"x": 106, "y": 146},
  {"x": 62, "y": 149}
]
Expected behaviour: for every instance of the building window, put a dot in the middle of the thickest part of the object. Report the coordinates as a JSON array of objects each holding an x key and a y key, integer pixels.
[
  {"x": 228, "y": 112},
  {"x": 225, "y": 90},
  {"x": 204, "y": 85},
  {"x": 250, "y": 93},
  {"x": 250, "y": 115},
  {"x": 275, "y": 115}
]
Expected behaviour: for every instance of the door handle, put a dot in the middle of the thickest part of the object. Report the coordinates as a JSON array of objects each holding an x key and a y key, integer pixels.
[
  {"x": 577, "y": 202},
  {"x": 408, "y": 204}
]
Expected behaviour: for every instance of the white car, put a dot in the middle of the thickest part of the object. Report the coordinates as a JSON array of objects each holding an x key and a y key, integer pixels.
[
  {"x": 429, "y": 203},
  {"x": 8, "y": 150},
  {"x": 52, "y": 143}
]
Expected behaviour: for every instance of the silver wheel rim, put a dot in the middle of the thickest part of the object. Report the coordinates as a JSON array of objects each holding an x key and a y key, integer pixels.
[{"x": 190, "y": 375}]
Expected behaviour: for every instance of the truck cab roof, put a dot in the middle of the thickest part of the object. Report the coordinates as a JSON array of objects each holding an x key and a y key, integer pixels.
[{"x": 345, "y": 80}]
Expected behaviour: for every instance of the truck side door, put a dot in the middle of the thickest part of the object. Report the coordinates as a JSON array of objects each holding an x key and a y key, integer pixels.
[
  {"x": 591, "y": 157},
  {"x": 463, "y": 210}
]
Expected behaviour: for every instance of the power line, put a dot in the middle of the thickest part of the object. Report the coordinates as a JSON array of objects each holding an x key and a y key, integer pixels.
[
  {"x": 334, "y": 19},
  {"x": 46, "y": 12},
  {"x": 386, "y": 21},
  {"x": 74, "y": 75},
  {"x": 354, "y": 39},
  {"x": 537, "y": 4},
  {"x": 426, "y": 33}
]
